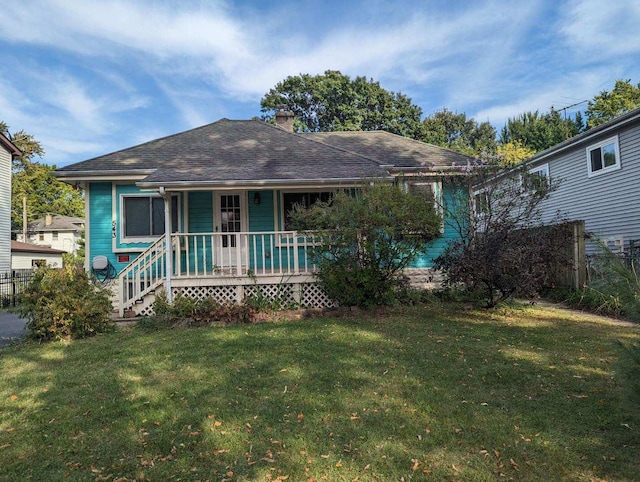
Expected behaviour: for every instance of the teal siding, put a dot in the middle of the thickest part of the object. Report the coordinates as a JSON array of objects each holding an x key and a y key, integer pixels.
[
  {"x": 100, "y": 229},
  {"x": 260, "y": 220},
  {"x": 200, "y": 212},
  {"x": 200, "y": 221},
  {"x": 261, "y": 215},
  {"x": 450, "y": 195}
]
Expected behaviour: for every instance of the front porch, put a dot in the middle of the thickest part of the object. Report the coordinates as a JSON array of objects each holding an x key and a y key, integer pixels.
[{"x": 229, "y": 267}]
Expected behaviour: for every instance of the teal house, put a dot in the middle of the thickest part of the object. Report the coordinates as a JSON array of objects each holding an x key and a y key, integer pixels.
[{"x": 205, "y": 212}]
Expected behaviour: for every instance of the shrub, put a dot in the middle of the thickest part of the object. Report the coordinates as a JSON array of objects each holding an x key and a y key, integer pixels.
[
  {"x": 613, "y": 291},
  {"x": 366, "y": 239},
  {"x": 504, "y": 247},
  {"x": 189, "y": 311},
  {"x": 64, "y": 304}
]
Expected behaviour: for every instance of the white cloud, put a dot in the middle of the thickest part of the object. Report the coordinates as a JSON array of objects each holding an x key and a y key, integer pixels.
[
  {"x": 597, "y": 30},
  {"x": 91, "y": 66}
]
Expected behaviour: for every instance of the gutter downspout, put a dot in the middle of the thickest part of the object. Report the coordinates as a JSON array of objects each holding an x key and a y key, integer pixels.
[{"x": 167, "y": 237}]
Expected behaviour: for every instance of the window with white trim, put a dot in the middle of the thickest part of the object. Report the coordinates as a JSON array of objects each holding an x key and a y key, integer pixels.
[
  {"x": 603, "y": 157},
  {"x": 480, "y": 203},
  {"x": 143, "y": 217},
  {"x": 305, "y": 199},
  {"x": 430, "y": 191},
  {"x": 538, "y": 178}
]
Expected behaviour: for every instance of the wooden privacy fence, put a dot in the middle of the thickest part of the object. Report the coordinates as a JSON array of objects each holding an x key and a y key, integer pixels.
[
  {"x": 574, "y": 274},
  {"x": 12, "y": 285}
]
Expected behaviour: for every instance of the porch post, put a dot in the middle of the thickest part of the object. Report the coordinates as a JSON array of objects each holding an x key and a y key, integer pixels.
[{"x": 167, "y": 240}]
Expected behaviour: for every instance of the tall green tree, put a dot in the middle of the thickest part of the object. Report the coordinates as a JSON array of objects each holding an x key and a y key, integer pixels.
[
  {"x": 334, "y": 102},
  {"x": 538, "y": 131},
  {"x": 606, "y": 105},
  {"x": 459, "y": 133},
  {"x": 44, "y": 193}
]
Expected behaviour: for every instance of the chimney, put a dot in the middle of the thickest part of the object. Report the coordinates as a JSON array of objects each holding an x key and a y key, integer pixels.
[
  {"x": 48, "y": 219},
  {"x": 284, "y": 119}
]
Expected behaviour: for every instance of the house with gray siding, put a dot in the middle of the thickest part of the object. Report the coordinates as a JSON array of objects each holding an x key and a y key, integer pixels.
[
  {"x": 7, "y": 152},
  {"x": 205, "y": 213},
  {"x": 599, "y": 181}
]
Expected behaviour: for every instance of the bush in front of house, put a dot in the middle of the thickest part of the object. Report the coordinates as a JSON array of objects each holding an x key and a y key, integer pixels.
[
  {"x": 185, "y": 310},
  {"x": 365, "y": 239},
  {"x": 63, "y": 304}
]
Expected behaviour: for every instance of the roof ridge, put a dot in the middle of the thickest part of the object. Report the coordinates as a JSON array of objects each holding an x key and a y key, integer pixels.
[{"x": 380, "y": 131}]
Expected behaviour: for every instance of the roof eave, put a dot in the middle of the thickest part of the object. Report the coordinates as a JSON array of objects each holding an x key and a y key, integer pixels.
[
  {"x": 585, "y": 136},
  {"x": 105, "y": 175},
  {"x": 6, "y": 142},
  {"x": 263, "y": 183}
]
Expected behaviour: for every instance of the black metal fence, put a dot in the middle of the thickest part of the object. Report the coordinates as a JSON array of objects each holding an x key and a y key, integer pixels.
[
  {"x": 599, "y": 266},
  {"x": 12, "y": 285}
]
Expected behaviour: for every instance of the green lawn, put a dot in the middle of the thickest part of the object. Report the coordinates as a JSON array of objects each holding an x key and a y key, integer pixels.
[{"x": 429, "y": 393}]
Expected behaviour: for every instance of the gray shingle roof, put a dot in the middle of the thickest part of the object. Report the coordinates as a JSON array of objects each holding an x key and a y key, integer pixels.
[
  {"x": 231, "y": 151},
  {"x": 253, "y": 152},
  {"x": 392, "y": 149},
  {"x": 58, "y": 223}
]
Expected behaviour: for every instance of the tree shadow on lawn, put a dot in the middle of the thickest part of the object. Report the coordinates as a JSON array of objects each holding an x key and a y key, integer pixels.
[
  {"x": 412, "y": 395},
  {"x": 548, "y": 376}
]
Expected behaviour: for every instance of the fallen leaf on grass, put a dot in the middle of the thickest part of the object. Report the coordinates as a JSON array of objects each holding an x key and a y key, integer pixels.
[{"x": 13, "y": 397}]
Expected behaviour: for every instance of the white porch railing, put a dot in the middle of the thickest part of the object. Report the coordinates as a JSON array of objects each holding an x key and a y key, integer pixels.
[
  {"x": 240, "y": 254},
  {"x": 142, "y": 276},
  {"x": 215, "y": 255}
]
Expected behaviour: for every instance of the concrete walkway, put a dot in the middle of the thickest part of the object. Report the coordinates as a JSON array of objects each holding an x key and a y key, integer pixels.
[{"x": 11, "y": 327}]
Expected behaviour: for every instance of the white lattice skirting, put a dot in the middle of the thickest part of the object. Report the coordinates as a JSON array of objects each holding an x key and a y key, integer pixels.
[{"x": 305, "y": 294}]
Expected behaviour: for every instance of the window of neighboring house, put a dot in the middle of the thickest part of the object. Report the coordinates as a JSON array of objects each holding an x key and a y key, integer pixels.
[
  {"x": 306, "y": 199},
  {"x": 54, "y": 235},
  {"x": 480, "y": 202},
  {"x": 41, "y": 237},
  {"x": 143, "y": 216},
  {"x": 538, "y": 178},
  {"x": 603, "y": 157},
  {"x": 38, "y": 263}
]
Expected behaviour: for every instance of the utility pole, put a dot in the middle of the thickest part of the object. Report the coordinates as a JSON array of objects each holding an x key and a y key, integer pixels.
[{"x": 24, "y": 219}]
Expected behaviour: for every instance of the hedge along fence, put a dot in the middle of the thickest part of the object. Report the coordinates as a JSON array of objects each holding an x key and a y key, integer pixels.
[{"x": 13, "y": 284}]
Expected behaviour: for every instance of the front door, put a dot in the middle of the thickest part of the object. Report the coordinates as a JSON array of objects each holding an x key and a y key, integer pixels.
[{"x": 230, "y": 247}]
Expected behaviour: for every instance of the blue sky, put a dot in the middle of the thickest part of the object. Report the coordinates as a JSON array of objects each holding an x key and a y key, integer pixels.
[{"x": 88, "y": 77}]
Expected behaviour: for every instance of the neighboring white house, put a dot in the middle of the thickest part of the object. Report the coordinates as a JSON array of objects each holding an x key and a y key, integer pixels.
[
  {"x": 28, "y": 256},
  {"x": 7, "y": 152},
  {"x": 599, "y": 176},
  {"x": 54, "y": 231}
]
